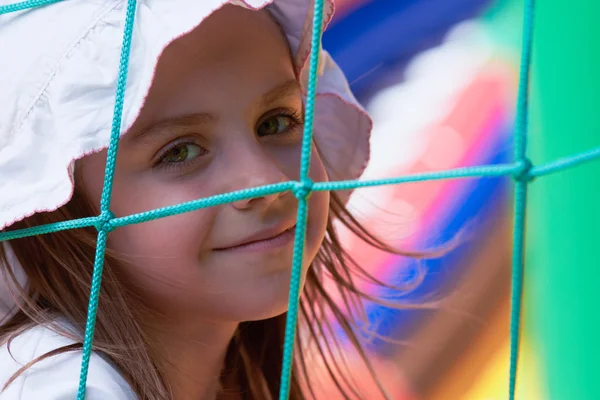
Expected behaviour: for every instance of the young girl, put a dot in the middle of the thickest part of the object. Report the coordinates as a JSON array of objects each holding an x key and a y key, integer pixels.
[{"x": 191, "y": 306}]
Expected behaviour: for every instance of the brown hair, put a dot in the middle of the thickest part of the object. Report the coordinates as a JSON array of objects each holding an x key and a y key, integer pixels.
[{"x": 58, "y": 267}]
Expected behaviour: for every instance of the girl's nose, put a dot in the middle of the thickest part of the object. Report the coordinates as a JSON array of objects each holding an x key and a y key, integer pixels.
[
  {"x": 257, "y": 169},
  {"x": 258, "y": 202}
]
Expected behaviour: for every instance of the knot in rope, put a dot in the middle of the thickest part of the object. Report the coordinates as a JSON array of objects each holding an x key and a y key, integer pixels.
[
  {"x": 303, "y": 188},
  {"x": 103, "y": 222},
  {"x": 523, "y": 173}
]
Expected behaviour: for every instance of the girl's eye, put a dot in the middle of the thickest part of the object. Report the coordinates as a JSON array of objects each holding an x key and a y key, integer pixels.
[
  {"x": 181, "y": 153},
  {"x": 275, "y": 125}
]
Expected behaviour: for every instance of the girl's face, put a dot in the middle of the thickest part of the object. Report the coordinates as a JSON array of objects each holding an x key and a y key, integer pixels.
[{"x": 224, "y": 113}]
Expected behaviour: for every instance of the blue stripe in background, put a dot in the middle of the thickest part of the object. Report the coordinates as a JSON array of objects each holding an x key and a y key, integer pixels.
[
  {"x": 372, "y": 44},
  {"x": 481, "y": 200},
  {"x": 373, "y": 39}
]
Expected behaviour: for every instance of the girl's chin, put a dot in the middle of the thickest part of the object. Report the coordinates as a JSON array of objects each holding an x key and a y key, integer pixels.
[{"x": 262, "y": 303}]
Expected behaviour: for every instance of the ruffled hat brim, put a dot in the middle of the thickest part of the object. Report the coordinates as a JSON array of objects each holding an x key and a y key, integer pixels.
[{"x": 59, "y": 75}]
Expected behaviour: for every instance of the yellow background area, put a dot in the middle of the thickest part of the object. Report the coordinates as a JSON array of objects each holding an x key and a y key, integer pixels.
[
  {"x": 492, "y": 382},
  {"x": 481, "y": 372}
]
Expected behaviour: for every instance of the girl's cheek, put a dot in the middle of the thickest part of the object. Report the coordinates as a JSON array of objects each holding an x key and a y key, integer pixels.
[
  {"x": 164, "y": 249},
  {"x": 317, "y": 172},
  {"x": 318, "y": 207},
  {"x": 162, "y": 258}
]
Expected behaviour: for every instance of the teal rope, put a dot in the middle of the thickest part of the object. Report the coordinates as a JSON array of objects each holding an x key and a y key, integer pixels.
[
  {"x": 517, "y": 282},
  {"x": 48, "y": 228},
  {"x": 520, "y": 196},
  {"x": 24, "y": 5},
  {"x": 565, "y": 163},
  {"x": 520, "y": 134},
  {"x": 103, "y": 224},
  {"x": 485, "y": 171},
  {"x": 203, "y": 203},
  {"x": 302, "y": 190}
]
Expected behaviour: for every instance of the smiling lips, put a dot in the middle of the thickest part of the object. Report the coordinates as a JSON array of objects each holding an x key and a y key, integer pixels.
[{"x": 265, "y": 240}]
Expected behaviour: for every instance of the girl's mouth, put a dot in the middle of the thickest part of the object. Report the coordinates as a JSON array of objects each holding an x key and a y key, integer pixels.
[{"x": 263, "y": 241}]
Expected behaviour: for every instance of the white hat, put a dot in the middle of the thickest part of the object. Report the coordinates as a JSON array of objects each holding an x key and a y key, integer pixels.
[{"x": 58, "y": 76}]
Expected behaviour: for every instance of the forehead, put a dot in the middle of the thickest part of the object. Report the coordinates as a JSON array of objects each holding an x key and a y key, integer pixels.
[{"x": 234, "y": 52}]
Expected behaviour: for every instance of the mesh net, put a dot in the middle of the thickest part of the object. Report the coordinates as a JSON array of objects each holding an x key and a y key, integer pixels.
[{"x": 521, "y": 170}]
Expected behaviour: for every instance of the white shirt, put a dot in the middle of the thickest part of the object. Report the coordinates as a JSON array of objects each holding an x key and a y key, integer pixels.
[{"x": 56, "y": 378}]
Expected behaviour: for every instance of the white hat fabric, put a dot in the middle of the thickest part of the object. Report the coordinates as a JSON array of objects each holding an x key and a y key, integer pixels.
[{"x": 58, "y": 76}]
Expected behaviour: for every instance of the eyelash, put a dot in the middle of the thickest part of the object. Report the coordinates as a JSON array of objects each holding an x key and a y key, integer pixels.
[
  {"x": 179, "y": 165},
  {"x": 296, "y": 117}
]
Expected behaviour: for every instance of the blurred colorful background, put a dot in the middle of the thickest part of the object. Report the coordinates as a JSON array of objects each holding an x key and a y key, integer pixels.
[{"x": 440, "y": 79}]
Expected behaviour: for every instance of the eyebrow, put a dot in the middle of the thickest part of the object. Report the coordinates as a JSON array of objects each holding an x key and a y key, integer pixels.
[
  {"x": 184, "y": 121},
  {"x": 286, "y": 89}
]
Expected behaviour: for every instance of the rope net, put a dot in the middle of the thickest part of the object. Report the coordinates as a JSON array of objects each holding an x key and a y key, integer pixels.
[{"x": 521, "y": 170}]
